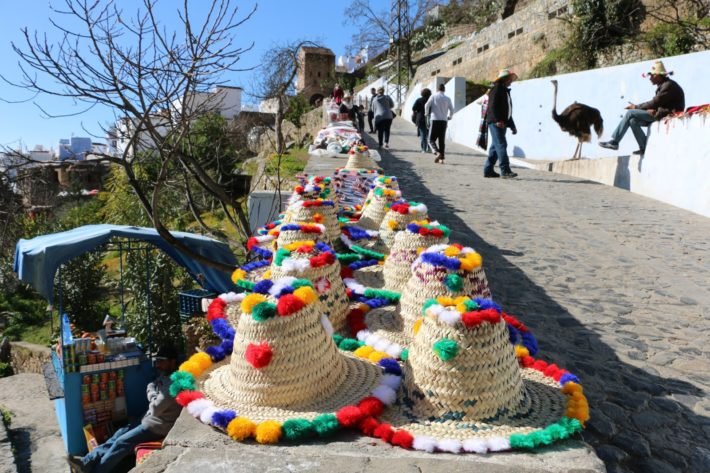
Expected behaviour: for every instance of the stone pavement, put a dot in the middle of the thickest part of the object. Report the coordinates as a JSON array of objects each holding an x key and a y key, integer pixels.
[{"x": 616, "y": 287}]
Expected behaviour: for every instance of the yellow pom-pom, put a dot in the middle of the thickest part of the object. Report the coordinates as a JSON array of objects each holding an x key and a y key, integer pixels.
[
  {"x": 420, "y": 250},
  {"x": 250, "y": 301},
  {"x": 446, "y": 301},
  {"x": 417, "y": 325},
  {"x": 267, "y": 274},
  {"x": 306, "y": 294},
  {"x": 376, "y": 356},
  {"x": 471, "y": 261},
  {"x": 521, "y": 351},
  {"x": 268, "y": 431},
  {"x": 451, "y": 251},
  {"x": 241, "y": 428},
  {"x": 238, "y": 275},
  {"x": 298, "y": 244},
  {"x": 392, "y": 225},
  {"x": 192, "y": 368},
  {"x": 571, "y": 387},
  {"x": 202, "y": 359},
  {"x": 364, "y": 351}
]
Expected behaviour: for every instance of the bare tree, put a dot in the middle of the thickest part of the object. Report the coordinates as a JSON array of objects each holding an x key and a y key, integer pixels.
[
  {"x": 157, "y": 82},
  {"x": 690, "y": 16}
]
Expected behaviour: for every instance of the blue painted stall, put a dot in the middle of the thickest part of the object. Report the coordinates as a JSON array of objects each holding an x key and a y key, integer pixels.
[{"x": 36, "y": 262}]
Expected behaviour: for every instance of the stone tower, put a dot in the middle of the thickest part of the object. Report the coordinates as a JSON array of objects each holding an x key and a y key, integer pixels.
[{"x": 316, "y": 76}]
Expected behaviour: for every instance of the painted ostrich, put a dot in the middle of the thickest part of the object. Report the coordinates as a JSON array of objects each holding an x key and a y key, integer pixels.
[{"x": 577, "y": 120}]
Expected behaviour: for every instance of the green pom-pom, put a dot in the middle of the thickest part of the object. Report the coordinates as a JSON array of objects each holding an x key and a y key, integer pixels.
[
  {"x": 445, "y": 230},
  {"x": 349, "y": 344},
  {"x": 453, "y": 282},
  {"x": 405, "y": 354},
  {"x": 427, "y": 304},
  {"x": 446, "y": 349},
  {"x": 536, "y": 438},
  {"x": 297, "y": 429},
  {"x": 326, "y": 425},
  {"x": 471, "y": 305},
  {"x": 301, "y": 283},
  {"x": 281, "y": 255},
  {"x": 382, "y": 293},
  {"x": 555, "y": 431},
  {"x": 244, "y": 284},
  {"x": 337, "y": 338},
  {"x": 263, "y": 311},
  {"x": 348, "y": 258},
  {"x": 181, "y": 381},
  {"x": 521, "y": 441}
]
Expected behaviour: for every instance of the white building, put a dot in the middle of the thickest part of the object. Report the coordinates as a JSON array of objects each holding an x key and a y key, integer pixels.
[{"x": 225, "y": 100}]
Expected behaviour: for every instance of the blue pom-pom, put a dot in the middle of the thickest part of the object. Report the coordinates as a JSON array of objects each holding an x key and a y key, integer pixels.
[
  {"x": 285, "y": 290},
  {"x": 390, "y": 366},
  {"x": 513, "y": 334},
  {"x": 262, "y": 252},
  {"x": 262, "y": 287},
  {"x": 323, "y": 247},
  {"x": 227, "y": 345},
  {"x": 222, "y": 418},
  {"x": 530, "y": 343},
  {"x": 567, "y": 377},
  {"x": 222, "y": 328},
  {"x": 216, "y": 353},
  {"x": 290, "y": 226},
  {"x": 487, "y": 304}
]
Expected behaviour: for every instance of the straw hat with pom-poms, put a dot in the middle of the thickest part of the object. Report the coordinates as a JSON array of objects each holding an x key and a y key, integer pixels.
[
  {"x": 397, "y": 218},
  {"x": 359, "y": 158},
  {"x": 374, "y": 209},
  {"x": 318, "y": 211}
]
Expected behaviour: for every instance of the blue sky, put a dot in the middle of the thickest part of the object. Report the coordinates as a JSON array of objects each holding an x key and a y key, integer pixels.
[{"x": 275, "y": 21}]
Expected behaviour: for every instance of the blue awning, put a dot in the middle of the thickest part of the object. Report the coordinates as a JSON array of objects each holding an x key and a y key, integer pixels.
[{"x": 37, "y": 260}]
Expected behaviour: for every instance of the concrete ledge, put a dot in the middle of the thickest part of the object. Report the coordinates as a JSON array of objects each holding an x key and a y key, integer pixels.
[
  {"x": 28, "y": 357},
  {"x": 192, "y": 446}
]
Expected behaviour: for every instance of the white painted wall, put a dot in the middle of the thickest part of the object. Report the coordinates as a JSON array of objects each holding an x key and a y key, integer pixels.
[
  {"x": 608, "y": 89},
  {"x": 363, "y": 97}
]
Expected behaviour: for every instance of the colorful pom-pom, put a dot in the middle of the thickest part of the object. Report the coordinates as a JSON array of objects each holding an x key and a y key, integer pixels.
[
  {"x": 268, "y": 432},
  {"x": 295, "y": 430},
  {"x": 241, "y": 428},
  {"x": 258, "y": 355},
  {"x": 191, "y": 367},
  {"x": 186, "y": 397},
  {"x": 403, "y": 439},
  {"x": 453, "y": 282},
  {"x": 417, "y": 326},
  {"x": 446, "y": 349},
  {"x": 250, "y": 301},
  {"x": 222, "y": 419},
  {"x": 306, "y": 294},
  {"x": 349, "y": 416},
  {"x": 384, "y": 431},
  {"x": 263, "y": 311},
  {"x": 289, "y": 305},
  {"x": 371, "y": 406},
  {"x": 326, "y": 425}
]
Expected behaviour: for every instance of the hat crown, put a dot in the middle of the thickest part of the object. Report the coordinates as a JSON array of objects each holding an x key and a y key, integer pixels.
[
  {"x": 318, "y": 211},
  {"x": 477, "y": 380},
  {"x": 376, "y": 206},
  {"x": 658, "y": 69},
  {"x": 398, "y": 217},
  {"x": 406, "y": 247},
  {"x": 293, "y": 232}
]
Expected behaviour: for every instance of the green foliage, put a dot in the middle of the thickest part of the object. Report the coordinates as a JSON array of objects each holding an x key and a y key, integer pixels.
[
  {"x": 297, "y": 106},
  {"x": 6, "y": 417},
  {"x": 427, "y": 35},
  {"x": 602, "y": 23},
  {"x": 669, "y": 39},
  {"x": 470, "y": 12},
  {"x": 83, "y": 294},
  {"x": 5, "y": 371},
  {"x": 288, "y": 165}
]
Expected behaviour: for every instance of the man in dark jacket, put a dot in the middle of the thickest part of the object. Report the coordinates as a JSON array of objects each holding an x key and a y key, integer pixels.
[
  {"x": 370, "y": 112},
  {"x": 669, "y": 98},
  {"x": 499, "y": 117}
]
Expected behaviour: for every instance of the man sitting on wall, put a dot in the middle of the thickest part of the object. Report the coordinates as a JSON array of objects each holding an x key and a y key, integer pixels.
[
  {"x": 162, "y": 413},
  {"x": 669, "y": 98}
]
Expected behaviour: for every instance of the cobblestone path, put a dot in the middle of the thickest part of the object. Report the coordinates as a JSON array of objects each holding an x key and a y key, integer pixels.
[{"x": 615, "y": 286}]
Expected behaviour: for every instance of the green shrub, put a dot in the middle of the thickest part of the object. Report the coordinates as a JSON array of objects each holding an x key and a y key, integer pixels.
[
  {"x": 668, "y": 39},
  {"x": 5, "y": 370}
]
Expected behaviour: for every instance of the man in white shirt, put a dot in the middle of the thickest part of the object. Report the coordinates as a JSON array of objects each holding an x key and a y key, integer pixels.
[{"x": 440, "y": 109}]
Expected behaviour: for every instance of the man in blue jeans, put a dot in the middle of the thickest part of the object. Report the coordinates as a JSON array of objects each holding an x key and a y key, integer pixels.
[
  {"x": 499, "y": 117},
  {"x": 162, "y": 413},
  {"x": 669, "y": 98}
]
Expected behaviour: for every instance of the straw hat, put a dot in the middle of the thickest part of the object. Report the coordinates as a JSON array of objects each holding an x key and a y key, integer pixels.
[
  {"x": 451, "y": 270},
  {"x": 286, "y": 379},
  {"x": 318, "y": 211},
  {"x": 658, "y": 69},
  {"x": 397, "y": 218},
  {"x": 312, "y": 188},
  {"x": 374, "y": 209},
  {"x": 465, "y": 391},
  {"x": 503, "y": 73},
  {"x": 292, "y": 232},
  {"x": 359, "y": 158}
]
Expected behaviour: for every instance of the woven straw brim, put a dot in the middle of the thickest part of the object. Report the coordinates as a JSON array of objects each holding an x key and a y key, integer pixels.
[
  {"x": 386, "y": 322},
  {"x": 292, "y": 236},
  {"x": 360, "y": 161},
  {"x": 545, "y": 405},
  {"x": 372, "y": 277},
  {"x": 361, "y": 377}
]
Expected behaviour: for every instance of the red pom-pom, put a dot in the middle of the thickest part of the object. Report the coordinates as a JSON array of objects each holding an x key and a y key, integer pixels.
[
  {"x": 368, "y": 425},
  {"x": 539, "y": 365},
  {"x": 310, "y": 229},
  {"x": 384, "y": 431},
  {"x": 299, "y": 189},
  {"x": 437, "y": 232},
  {"x": 527, "y": 361},
  {"x": 289, "y": 304},
  {"x": 457, "y": 245},
  {"x": 551, "y": 370},
  {"x": 423, "y": 231},
  {"x": 371, "y": 406},
  {"x": 346, "y": 272},
  {"x": 304, "y": 249},
  {"x": 356, "y": 321},
  {"x": 349, "y": 293},
  {"x": 186, "y": 397},
  {"x": 402, "y": 209},
  {"x": 251, "y": 243},
  {"x": 349, "y": 416},
  {"x": 329, "y": 258},
  {"x": 217, "y": 302},
  {"x": 269, "y": 226},
  {"x": 558, "y": 376},
  {"x": 403, "y": 439},
  {"x": 258, "y": 355},
  {"x": 471, "y": 319},
  {"x": 514, "y": 322},
  {"x": 489, "y": 315},
  {"x": 322, "y": 260}
]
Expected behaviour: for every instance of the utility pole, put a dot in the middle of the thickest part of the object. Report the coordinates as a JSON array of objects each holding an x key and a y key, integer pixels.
[{"x": 400, "y": 30}]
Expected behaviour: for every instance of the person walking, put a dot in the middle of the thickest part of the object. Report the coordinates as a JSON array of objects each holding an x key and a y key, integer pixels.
[
  {"x": 370, "y": 112},
  {"x": 419, "y": 119},
  {"x": 669, "y": 98},
  {"x": 162, "y": 413},
  {"x": 440, "y": 110},
  {"x": 337, "y": 94},
  {"x": 499, "y": 117},
  {"x": 382, "y": 106}
]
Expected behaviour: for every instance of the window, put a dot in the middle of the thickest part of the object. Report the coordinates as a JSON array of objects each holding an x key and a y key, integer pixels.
[
  {"x": 518, "y": 31},
  {"x": 485, "y": 47},
  {"x": 559, "y": 12},
  {"x": 514, "y": 33},
  {"x": 318, "y": 73},
  {"x": 457, "y": 61}
]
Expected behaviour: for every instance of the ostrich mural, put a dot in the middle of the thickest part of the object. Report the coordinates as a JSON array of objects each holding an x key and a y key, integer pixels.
[{"x": 577, "y": 120}]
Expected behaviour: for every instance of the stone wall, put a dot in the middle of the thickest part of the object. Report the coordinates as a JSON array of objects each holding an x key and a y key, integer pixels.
[
  {"x": 518, "y": 42},
  {"x": 28, "y": 357}
]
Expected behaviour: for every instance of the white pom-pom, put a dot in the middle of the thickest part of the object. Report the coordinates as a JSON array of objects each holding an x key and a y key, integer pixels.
[
  {"x": 466, "y": 250},
  {"x": 450, "y": 317},
  {"x": 449, "y": 445},
  {"x": 392, "y": 380},
  {"x": 320, "y": 226},
  {"x": 394, "y": 350},
  {"x": 385, "y": 394},
  {"x": 363, "y": 334},
  {"x": 196, "y": 407},
  {"x": 206, "y": 415},
  {"x": 497, "y": 444},
  {"x": 475, "y": 445},
  {"x": 372, "y": 339},
  {"x": 424, "y": 443},
  {"x": 327, "y": 326},
  {"x": 382, "y": 345},
  {"x": 436, "y": 248}
]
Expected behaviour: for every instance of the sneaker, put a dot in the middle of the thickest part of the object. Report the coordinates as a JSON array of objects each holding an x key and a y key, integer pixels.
[
  {"x": 387, "y": 146},
  {"x": 638, "y": 152},
  {"x": 491, "y": 174},
  {"x": 609, "y": 145},
  {"x": 76, "y": 464},
  {"x": 508, "y": 175}
]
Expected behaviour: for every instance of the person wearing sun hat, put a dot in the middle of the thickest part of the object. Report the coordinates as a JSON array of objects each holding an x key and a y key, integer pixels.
[
  {"x": 669, "y": 98},
  {"x": 466, "y": 388},
  {"x": 499, "y": 117}
]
